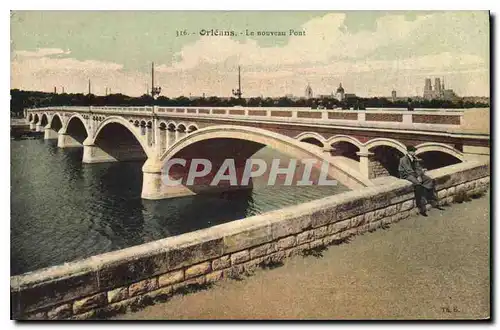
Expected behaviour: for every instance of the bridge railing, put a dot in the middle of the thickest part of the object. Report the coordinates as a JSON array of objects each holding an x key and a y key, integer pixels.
[{"x": 452, "y": 117}]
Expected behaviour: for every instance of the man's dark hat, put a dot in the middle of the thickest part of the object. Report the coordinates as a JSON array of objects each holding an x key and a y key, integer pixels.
[{"x": 411, "y": 148}]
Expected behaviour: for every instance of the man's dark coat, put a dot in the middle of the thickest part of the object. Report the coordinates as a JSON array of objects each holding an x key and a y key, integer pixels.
[{"x": 411, "y": 170}]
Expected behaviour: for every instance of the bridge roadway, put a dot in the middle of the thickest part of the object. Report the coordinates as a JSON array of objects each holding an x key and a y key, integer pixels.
[{"x": 358, "y": 145}]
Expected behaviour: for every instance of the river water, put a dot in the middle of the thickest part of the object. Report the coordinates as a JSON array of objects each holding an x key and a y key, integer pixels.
[{"x": 63, "y": 210}]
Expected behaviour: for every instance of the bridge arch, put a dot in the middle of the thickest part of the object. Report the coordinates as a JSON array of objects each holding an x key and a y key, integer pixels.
[
  {"x": 386, "y": 156},
  {"x": 344, "y": 138},
  {"x": 345, "y": 146},
  {"x": 56, "y": 123},
  {"x": 75, "y": 117},
  {"x": 191, "y": 128},
  {"x": 36, "y": 118},
  {"x": 439, "y": 147},
  {"x": 311, "y": 138},
  {"x": 217, "y": 143},
  {"x": 385, "y": 142},
  {"x": 30, "y": 117},
  {"x": 44, "y": 120},
  {"x": 117, "y": 133},
  {"x": 435, "y": 155},
  {"x": 56, "y": 118}
]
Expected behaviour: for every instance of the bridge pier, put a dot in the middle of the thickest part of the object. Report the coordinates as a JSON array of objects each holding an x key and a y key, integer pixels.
[
  {"x": 67, "y": 141},
  {"x": 152, "y": 180},
  {"x": 32, "y": 125},
  {"x": 93, "y": 154},
  {"x": 365, "y": 158},
  {"x": 39, "y": 127},
  {"x": 50, "y": 134}
]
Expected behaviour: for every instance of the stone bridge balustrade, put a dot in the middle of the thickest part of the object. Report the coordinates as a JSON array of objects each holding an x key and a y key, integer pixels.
[{"x": 350, "y": 140}]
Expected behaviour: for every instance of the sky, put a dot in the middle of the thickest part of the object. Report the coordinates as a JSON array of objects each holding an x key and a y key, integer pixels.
[{"x": 369, "y": 52}]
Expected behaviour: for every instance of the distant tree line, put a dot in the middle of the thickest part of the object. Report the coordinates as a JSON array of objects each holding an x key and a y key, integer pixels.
[{"x": 29, "y": 99}]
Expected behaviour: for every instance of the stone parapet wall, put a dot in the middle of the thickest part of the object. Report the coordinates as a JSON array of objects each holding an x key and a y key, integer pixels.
[{"x": 112, "y": 282}]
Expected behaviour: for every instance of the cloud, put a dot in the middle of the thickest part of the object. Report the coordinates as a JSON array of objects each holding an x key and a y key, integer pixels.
[
  {"x": 41, "y": 52},
  {"x": 42, "y": 72}
]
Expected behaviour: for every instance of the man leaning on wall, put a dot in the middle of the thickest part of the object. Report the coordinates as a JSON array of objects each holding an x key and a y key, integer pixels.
[{"x": 411, "y": 170}]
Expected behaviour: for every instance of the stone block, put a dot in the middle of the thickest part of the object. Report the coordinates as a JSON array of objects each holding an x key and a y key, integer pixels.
[
  {"x": 143, "y": 286},
  {"x": 460, "y": 188},
  {"x": 89, "y": 303},
  {"x": 356, "y": 221},
  {"x": 354, "y": 207},
  {"x": 407, "y": 205},
  {"x": 404, "y": 215},
  {"x": 47, "y": 293},
  {"x": 199, "y": 269},
  {"x": 214, "y": 276},
  {"x": 305, "y": 237},
  {"x": 316, "y": 243},
  {"x": 402, "y": 198},
  {"x": 160, "y": 294},
  {"x": 35, "y": 316},
  {"x": 331, "y": 239},
  {"x": 171, "y": 278},
  {"x": 379, "y": 214},
  {"x": 233, "y": 272},
  {"x": 286, "y": 243},
  {"x": 348, "y": 233},
  {"x": 118, "y": 307},
  {"x": 320, "y": 232},
  {"x": 274, "y": 258},
  {"x": 221, "y": 263},
  {"x": 290, "y": 226},
  {"x": 484, "y": 181},
  {"x": 60, "y": 312},
  {"x": 191, "y": 282},
  {"x": 131, "y": 269},
  {"x": 470, "y": 185},
  {"x": 451, "y": 191},
  {"x": 363, "y": 228},
  {"x": 252, "y": 265},
  {"x": 117, "y": 294},
  {"x": 391, "y": 210},
  {"x": 262, "y": 250},
  {"x": 324, "y": 216},
  {"x": 339, "y": 226},
  {"x": 248, "y": 237},
  {"x": 374, "y": 225},
  {"x": 442, "y": 193},
  {"x": 90, "y": 315},
  {"x": 369, "y": 217},
  {"x": 190, "y": 254},
  {"x": 386, "y": 221},
  {"x": 295, "y": 251},
  {"x": 240, "y": 257}
]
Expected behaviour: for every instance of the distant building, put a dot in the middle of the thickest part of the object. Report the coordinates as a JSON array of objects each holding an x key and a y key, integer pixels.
[
  {"x": 438, "y": 92},
  {"x": 349, "y": 96},
  {"x": 309, "y": 92},
  {"x": 340, "y": 94},
  {"x": 393, "y": 96}
]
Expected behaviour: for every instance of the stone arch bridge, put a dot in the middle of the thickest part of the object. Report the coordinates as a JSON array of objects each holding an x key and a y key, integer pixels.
[{"x": 359, "y": 146}]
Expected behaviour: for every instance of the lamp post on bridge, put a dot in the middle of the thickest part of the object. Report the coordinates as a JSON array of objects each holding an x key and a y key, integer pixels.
[
  {"x": 238, "y": 92},
  {"x": 155, "y": 91}
]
